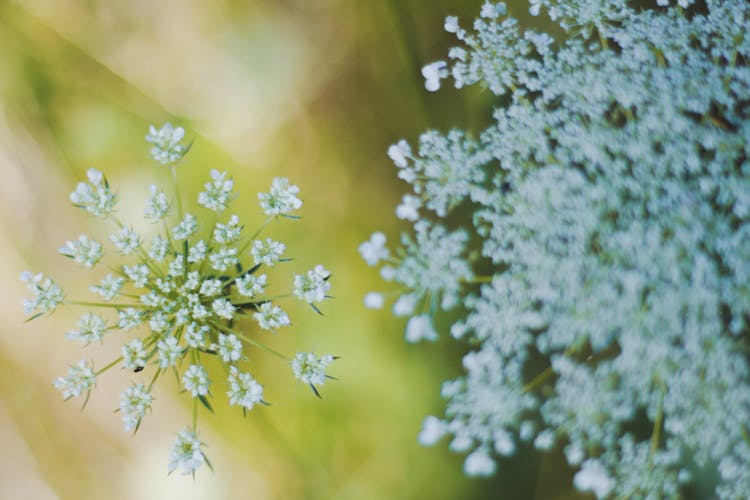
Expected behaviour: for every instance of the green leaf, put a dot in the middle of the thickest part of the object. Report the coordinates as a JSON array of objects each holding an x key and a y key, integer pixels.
[
  {"x": 205, "y": 403},
  {"x": 208, "y": 462},
  {"x": 33, "y": 317},
  {"x": 315, "y": 390},
  {"x": 85, "y": 401},
  {"x": 315, "y": 308}
]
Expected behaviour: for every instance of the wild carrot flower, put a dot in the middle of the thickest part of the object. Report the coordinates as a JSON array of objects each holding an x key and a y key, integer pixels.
[
  {"x": 191, "y": 294},
  {"x": 592, "y": 242}
]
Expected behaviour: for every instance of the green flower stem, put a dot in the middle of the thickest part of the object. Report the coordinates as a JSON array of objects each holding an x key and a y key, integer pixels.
[
  {"x": 656, "y": 433},
  {"x": 153, "y": 379},
  {"x": 195, "y": 414},
  {"x": 168, "y": 233},
  {"x": 547, "y": 373},
  {"x": 101, "y": 304},
  {"x": 113, "y": 363},
  {"x": 255, "y": 235},
  {"x": 177, "y": 191},
  {"x": 260, "y": 299},
  {"x": 254, "y": 342},
  {"x": 478, "y": 279}
]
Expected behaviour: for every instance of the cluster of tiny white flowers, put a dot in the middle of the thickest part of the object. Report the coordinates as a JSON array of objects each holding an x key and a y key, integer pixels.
[
  {"x": 167, "y": 143},
  {"x": 603, "y": 266},
  {"x": 311, "y": 369},
  {"x": 186, "y": 453},
  {"x": 47, "y": 295},
  {"x": 189, "y": 293}
]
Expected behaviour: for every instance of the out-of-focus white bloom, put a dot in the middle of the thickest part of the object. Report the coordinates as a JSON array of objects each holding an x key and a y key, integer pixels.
[
  {"x": 451, "y": 24},
  {"x": 374, "y": 250},
  {"x": 400, "y": 153},
  {"x": 281, "y": 199},
  {"x": 479, "y": 463},
  {"x": 408, "y": 209},
  {"x": 405, "y": 304},
  {"x": 420, "y": 328},
  {"x": 433, "y": 429},
  {"x": 593, "y": 477},
  {"x": 492, "y": 10},
  {"x": 432, "y": 74},
  {"x": 374, "y": 300}
]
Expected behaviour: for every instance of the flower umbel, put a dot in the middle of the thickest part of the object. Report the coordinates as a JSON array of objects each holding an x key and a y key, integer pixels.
[
  {"x": 186, "y": 454},
  {"x": 191, "y": 296},
  {"x": 592, "y": 243}
]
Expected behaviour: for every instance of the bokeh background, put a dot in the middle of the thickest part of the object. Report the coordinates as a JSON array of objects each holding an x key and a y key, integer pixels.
[{"x": 314, "y": 90}]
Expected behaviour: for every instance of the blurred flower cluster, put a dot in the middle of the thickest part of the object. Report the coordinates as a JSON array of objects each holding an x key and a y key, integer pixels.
[
  {"x": 594, "y": 241},
  {"x": 187, "y": 294}
]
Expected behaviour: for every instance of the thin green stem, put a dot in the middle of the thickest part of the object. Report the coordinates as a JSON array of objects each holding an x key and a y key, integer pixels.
[
  {"x": 99, "y": 304},
  {"x": 255, "y": 235},
  {"x": 478, "y": 279},
  {"x": 603, "y": 41},
  {"x": 253, "y": 342},
  {"x": 536, "y": 381},
  {"x": 113, "y": 363},
  {"x": 259, "y": 299},
  {"x": 153, "y": 379},
  {"x": 177, "y": 191},
  {"x": 656, "y": 433},
  {"x": 169, "y": 235},
  {"x": 195, "y": 414}
]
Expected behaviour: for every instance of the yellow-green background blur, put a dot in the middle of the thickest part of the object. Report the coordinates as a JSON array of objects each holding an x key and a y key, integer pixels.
[{"x": 313, "y": 90}]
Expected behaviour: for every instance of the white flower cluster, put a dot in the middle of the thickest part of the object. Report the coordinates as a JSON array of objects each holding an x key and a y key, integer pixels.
[
  {"x": 167, "y": 146},
  {"x": 603, "y": 266},
  {"x": 193, "y": 293}
]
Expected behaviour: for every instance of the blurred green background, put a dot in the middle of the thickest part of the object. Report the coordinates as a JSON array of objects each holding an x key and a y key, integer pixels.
[{"x": 314, "y": 90}]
